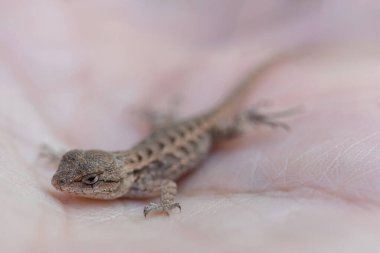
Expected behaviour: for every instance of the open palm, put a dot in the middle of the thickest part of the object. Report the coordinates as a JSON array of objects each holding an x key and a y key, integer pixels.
[{"x": 73, "y": 73}]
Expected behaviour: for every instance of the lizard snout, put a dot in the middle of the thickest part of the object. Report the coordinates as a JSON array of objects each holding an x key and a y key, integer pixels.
[{"x": 57, "y": 182}]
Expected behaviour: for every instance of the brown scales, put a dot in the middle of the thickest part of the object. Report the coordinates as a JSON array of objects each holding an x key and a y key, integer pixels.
[{"x": 151, "y": 167}]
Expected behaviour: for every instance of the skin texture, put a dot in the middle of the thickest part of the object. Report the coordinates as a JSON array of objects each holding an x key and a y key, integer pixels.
[
  {"x": 72, "y": 73},
  {"x": 171, "y": 150}
]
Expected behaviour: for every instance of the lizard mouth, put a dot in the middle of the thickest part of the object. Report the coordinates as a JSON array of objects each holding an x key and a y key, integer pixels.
[{"x": 100, "y": 190}]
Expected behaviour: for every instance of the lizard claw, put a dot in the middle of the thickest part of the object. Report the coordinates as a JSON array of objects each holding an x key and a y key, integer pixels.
[
  {"x": 177, "y": 205},
  {"x": 161, "y": 207}
]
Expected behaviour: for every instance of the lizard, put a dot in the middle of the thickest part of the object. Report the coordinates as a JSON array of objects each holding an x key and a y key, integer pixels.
[{"x": 151, "y": 167}]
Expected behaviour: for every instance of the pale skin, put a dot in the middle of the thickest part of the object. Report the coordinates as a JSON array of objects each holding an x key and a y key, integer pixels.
[
  {"x": 314, "y": 189},
  {"x": 173, "y": 148}
]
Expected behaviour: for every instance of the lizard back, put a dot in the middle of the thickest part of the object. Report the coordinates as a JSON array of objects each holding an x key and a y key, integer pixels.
[
  {"x": 172, "y": 151},
  {"x": 168, "y": 153}
]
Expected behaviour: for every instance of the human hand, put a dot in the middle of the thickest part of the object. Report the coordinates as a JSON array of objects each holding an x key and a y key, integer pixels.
[{"x": 70, "y": 72}]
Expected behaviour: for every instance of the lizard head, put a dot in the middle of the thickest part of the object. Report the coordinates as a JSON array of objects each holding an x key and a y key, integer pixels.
[{"x": 93, "y": 174}]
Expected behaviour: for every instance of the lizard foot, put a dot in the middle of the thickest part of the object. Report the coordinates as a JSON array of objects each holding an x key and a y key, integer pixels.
[
  {"x": 161, "y": 207},
  {"x": 50, "y": 155}
]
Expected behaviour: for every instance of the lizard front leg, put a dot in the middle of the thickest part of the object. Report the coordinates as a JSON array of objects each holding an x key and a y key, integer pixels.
[
  {"x": 168, "y": 191},
  {"x": 158, "y": 119},
  {"x": 50, "y": 155}
]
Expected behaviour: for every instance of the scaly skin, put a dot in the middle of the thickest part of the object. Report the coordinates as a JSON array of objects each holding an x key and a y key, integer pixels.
[{"x": 151, "y": 167}]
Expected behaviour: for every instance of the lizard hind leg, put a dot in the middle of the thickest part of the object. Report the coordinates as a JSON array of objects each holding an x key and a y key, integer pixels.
[
  {"x": 167, "y": 202},
  {"x": 248, "y": 119}
]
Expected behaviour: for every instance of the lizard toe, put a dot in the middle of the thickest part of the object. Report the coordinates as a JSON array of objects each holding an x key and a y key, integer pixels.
[{"x": 161, "y": 208}]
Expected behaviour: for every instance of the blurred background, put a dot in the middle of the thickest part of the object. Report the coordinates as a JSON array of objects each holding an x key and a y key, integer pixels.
[
  {"x": 72, "y": 72},
  {"x": 116, "y": 53}
]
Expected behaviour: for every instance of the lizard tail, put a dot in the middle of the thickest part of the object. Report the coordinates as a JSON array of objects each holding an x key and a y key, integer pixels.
[{"x": 229, "y": 104}]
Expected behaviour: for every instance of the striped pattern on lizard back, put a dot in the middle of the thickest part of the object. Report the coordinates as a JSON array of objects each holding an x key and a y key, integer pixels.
[{"x": 168, "y": 153}]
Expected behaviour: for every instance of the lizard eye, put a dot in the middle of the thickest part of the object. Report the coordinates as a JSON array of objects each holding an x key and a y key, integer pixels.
[{"x": 90, "y": 179}]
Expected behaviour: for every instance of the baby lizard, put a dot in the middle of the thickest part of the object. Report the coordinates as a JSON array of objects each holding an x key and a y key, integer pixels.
[{"x": 151, "y": 167}]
